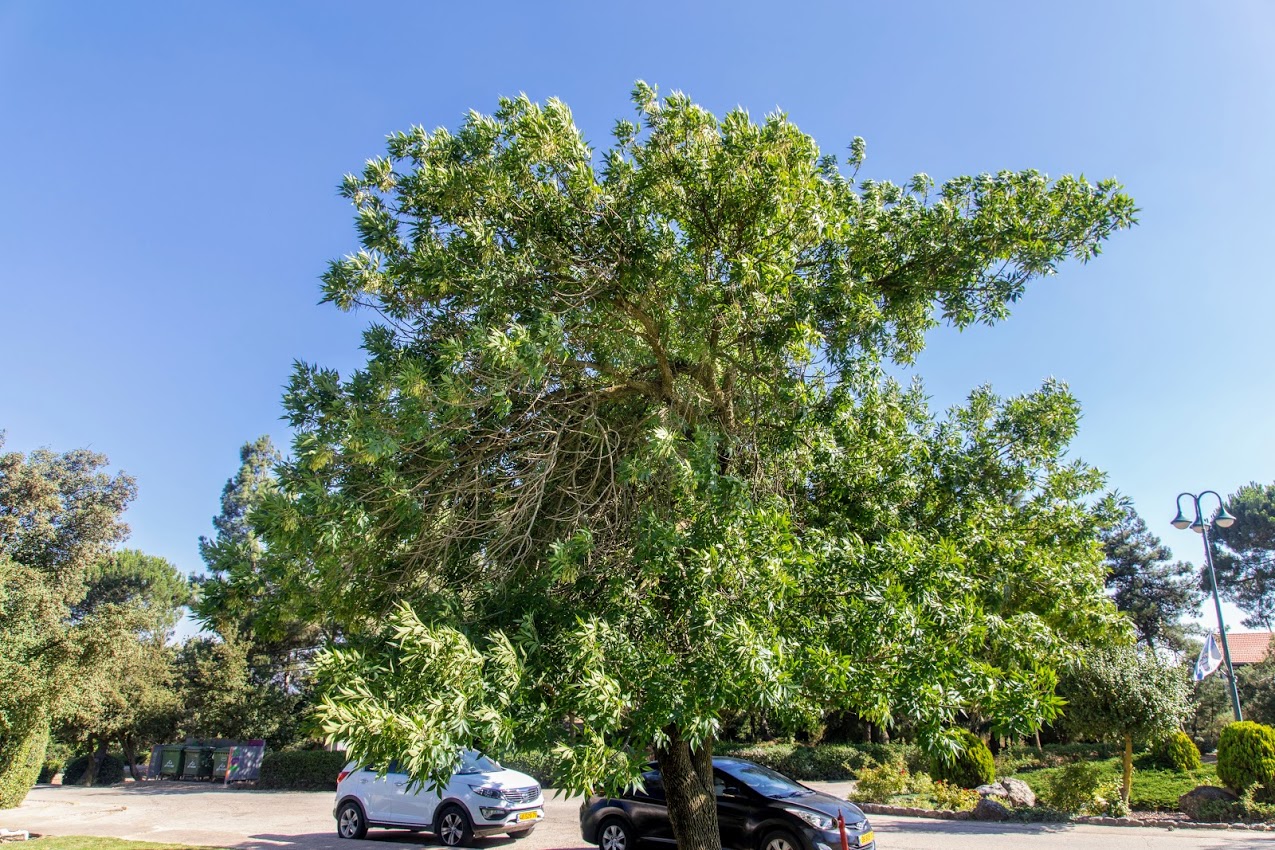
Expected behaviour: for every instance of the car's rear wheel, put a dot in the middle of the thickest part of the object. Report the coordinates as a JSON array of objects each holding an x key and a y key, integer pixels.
[
  {"x": 615, "y": 834},
  {"x": 453, "y": 828},
  {"x": 350, "y": 822},
  {"x": 780, "y": 839}
]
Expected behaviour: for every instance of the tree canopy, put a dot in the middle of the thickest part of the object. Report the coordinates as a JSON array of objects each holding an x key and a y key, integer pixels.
[
  {"x": 1245, "y": 564},
  {"x": 623, "y": 458},
  {"x": 1154, "y": 592},
  {"x": 59, "y": 516}
]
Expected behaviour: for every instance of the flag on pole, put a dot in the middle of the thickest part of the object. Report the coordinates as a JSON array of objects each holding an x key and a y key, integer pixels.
[{"x": 1210, "y": 659}]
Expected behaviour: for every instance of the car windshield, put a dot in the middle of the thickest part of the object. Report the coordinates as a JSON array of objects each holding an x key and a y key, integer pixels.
[
  {"x": 472, "y": 761},
  {"x": 766, "y": 782}
]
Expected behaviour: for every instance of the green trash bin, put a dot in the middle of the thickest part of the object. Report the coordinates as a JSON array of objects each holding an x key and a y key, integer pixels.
[
  {"x": 198, "y": 762},
  {"x": 221, "y": 761},
  {"x": 170, "y": 761}
]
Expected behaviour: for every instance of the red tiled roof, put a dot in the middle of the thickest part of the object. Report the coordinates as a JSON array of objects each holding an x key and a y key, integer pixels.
[{"x": 1249, "y": 647}]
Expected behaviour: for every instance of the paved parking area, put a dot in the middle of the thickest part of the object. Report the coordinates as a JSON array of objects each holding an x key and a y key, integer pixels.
[{"x": 269, "y": 820}]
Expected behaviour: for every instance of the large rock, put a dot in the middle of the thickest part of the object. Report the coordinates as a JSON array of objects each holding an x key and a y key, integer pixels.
[
  {"x": 1189, "y": 803},
  {"x": 989, "y": 809},
  {"x": 993, "y": 790},
  {"x": 1019, "y": 793}
]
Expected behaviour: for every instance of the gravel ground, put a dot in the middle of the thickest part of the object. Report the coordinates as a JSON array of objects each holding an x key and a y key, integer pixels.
[{"x": 268, "y": 820}]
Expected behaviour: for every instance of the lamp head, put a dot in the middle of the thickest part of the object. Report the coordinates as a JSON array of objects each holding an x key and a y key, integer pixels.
[
  {"x": 1224, "y": 519},
  {"x": 1180, "y": 521},
  {"x": 1197, "y": 527}
]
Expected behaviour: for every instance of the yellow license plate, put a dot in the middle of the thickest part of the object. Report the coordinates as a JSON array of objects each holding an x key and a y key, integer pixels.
[
  {"x": 866, "y": 838},
  {"x": 528, "y": 815}
]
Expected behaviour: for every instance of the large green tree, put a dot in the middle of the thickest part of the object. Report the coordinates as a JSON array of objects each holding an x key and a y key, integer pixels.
[
  {"x": 1153, "y": 591},
  {"x": 59, "y": 516},
  {"x": 1245, "y": 562},
  {"x": 623, "y": 459}
]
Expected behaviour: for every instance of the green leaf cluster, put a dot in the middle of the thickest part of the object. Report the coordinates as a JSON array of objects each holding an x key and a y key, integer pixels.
[{"x": 969, "y": 767}]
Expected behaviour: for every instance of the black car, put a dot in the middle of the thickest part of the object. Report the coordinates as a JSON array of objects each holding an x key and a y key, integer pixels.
[{"x": 757, "y": 809}]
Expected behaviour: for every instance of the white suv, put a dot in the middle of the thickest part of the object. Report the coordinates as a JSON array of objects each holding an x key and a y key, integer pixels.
[{"x": 482, "y": 798}]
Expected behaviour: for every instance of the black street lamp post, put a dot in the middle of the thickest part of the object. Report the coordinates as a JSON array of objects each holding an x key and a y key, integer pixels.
[{"x": 1223, "y": 520}]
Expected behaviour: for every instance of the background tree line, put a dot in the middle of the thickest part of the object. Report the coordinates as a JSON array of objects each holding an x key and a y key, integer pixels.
[{"x": 87, "y": 648}]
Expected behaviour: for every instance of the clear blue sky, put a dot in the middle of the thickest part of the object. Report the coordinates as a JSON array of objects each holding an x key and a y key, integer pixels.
[{"x": 169, "y": 201}]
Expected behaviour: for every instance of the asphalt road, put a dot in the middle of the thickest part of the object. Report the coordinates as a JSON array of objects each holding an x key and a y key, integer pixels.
[{"x": 268, "y": 820}]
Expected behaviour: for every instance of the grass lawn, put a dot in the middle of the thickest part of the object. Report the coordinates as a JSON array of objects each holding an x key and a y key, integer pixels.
[
  {"x": 1153, "y": 789},
  {"x": 91, "y": 842}
]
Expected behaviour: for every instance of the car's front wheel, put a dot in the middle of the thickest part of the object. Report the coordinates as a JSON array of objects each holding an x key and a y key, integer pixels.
[
  {"x": 780, "y": 839},
  {"x": 350, "y": 822},
  {"x": 454, "y": 829},
  {"x": 615, "y": 834}
]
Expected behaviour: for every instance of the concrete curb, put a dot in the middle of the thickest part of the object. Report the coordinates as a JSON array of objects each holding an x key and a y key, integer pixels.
[{"x": 937, "y": 814}]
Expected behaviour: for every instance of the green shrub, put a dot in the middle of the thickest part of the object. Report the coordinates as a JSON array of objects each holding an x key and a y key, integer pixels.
[
  {"x": 1074, "y": 787},
  {"x": 1021, "y": 757},
  {"x": 1247, "y": 808},
  {"x": 921, "y": 785},
  {"x": 826, "y": 762},
  {"x": 971, "y": 767},
  {"x": 879, "y": 782},
  {"x": 301, "y": 770},
  {"x": 537, "y": 764},
  {"x": 1176, "y": 752},
  {"x": 20, "y": 759},
  {"x": 110, "y": 771},
  {"x": 1246, "y": 756},
  {"x": 56, "y": 755},
  {"x": 954, "y": 797}
]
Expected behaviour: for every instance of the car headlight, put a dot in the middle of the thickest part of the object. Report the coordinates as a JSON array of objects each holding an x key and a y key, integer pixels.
[
  {"x": 815, "y": 819},
  {"x": 484, "y": 791}
]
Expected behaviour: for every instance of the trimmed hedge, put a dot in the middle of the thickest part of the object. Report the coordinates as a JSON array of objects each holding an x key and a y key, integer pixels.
[
  {"x": 825, "y": 762},
  {"x": 821, "y": 762},
  {"x": 971, "y": 767},
  {"x": 537, "y": 764},
  {"x": 301, "y": 770},
  {"x": 1246, "y": 756},
  {"x": 1176, "y": 752},
  {"x": 110, "y": 771},
  {"x": 20, "y": 761}
]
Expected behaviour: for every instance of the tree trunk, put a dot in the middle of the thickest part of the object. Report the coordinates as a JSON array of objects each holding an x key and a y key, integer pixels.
[
  {"x": 1127, "y": 785},
  {"x": 95, "y": 761},
  {"x": 688, "y": 790},
  {"x": 130, "y": 756}
]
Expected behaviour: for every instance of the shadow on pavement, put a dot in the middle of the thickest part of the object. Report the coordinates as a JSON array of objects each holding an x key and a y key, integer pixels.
[
  {"x": 377, "y": 838},
  {"x": 180, "y": 788},
  {"x": 969, "y": 827}
]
